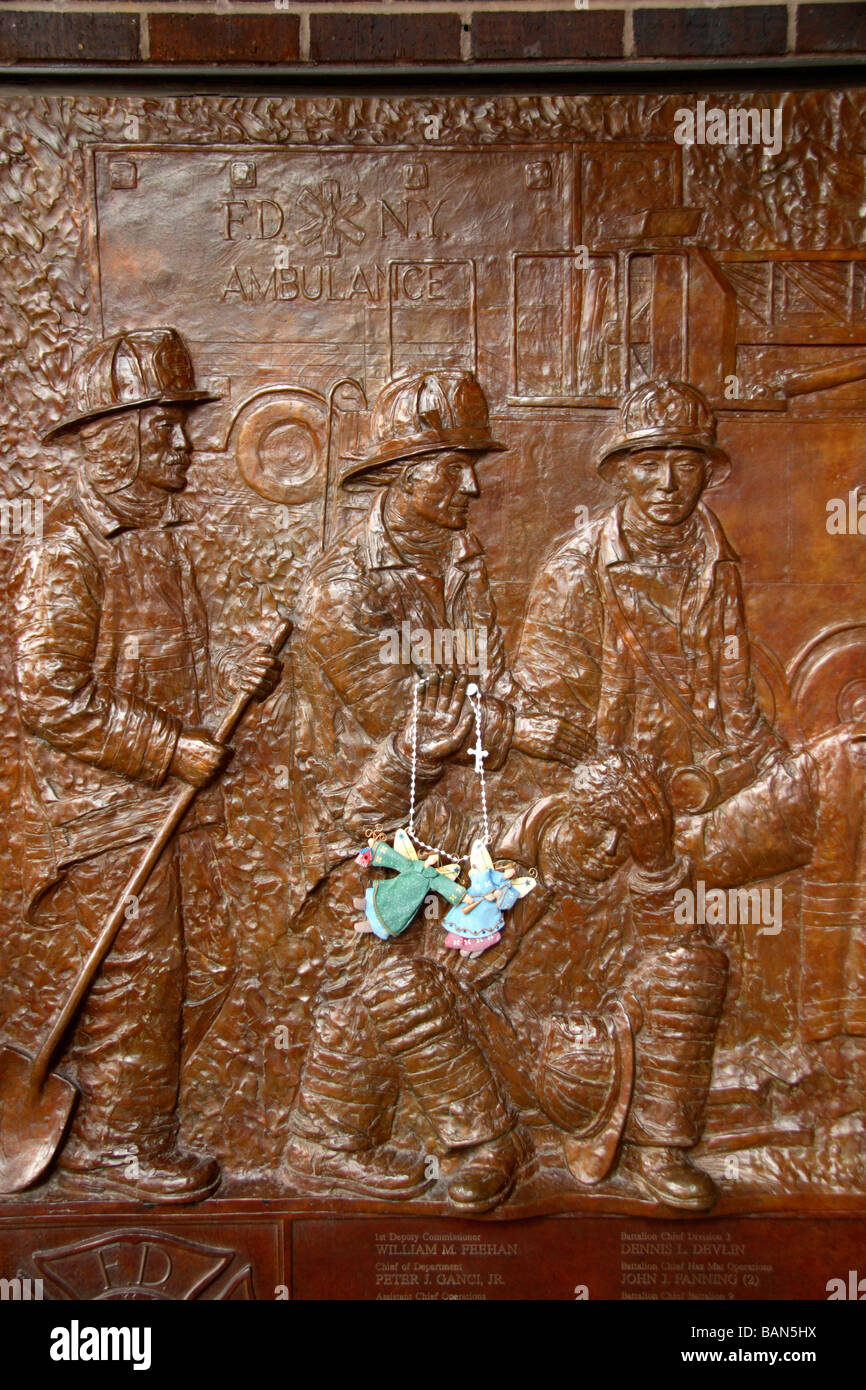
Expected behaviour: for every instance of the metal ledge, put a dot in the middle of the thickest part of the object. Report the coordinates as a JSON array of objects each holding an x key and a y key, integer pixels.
[{"x": 599, "y": 75}]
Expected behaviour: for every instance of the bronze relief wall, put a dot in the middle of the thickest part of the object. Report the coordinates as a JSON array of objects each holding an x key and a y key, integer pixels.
[{"x": 544, "y": 412}]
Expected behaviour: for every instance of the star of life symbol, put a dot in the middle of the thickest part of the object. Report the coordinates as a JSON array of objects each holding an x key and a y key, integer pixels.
[{"x": 331, "y": 217}]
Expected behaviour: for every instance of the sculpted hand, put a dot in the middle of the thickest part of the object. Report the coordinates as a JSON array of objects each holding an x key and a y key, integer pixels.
[
  {"x": 648, "y": 820},
  {"x": 255, "y": 672},
  {"x": 445, "y": 718},
  {"x": 545, "y": 736},
  {"x": 197, "y": 759}
]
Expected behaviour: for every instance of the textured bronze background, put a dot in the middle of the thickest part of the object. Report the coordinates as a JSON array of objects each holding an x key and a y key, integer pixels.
[{"x": 564, "y": 252}]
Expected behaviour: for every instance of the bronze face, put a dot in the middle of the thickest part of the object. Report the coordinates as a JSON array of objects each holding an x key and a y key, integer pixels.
[
  {"x": 440, "y": 488},
  {"x": 165, "y": 448},
  {"x": 662, "y": 485},
  {"x": 593, "y": 847}
]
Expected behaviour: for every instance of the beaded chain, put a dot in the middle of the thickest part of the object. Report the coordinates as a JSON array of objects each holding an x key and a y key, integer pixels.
[{"x": 479, "y": 752}]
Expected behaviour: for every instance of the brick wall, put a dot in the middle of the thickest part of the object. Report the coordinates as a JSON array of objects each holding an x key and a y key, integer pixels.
[{"x": 384, "y": 32}]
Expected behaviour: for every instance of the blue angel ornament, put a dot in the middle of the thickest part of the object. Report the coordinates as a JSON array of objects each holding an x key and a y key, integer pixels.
[{"x": 475, "y": 923}]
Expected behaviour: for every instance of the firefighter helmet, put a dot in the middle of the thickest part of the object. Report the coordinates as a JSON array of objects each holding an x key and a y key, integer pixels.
[
  {"x": 424, "y": 412},
  {"x": 585, "y": 1081},
  {"x": 664, "y": 414},
  {"x": 147, "y": 367}
]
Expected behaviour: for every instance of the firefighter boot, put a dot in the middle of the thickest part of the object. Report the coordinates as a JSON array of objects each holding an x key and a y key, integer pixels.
[
  {"x": 667, "y": 1175},
  {"x": 151, "y": 1166},
  {"x": 340, "y": 1125},
  {"x": 415, "y": 1011},
  {"x": 679, "y": 995}
]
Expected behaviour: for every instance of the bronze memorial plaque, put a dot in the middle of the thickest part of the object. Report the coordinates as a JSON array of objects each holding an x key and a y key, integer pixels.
[{"x": 433, "y": 705}]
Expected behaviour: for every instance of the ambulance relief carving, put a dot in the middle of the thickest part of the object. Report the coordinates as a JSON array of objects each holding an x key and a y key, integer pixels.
[{"x": 327, "y": 221}]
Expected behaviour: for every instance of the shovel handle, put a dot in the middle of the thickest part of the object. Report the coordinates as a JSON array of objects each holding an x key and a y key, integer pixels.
[{"x": 136, "y": 882}]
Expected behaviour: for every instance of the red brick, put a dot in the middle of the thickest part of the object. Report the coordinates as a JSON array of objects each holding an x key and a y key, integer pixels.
[
  {"x": 831, "y": 28},
  {"x": 385, "y": 38},
  {"x": 528, "y": 34},
  {"x": 736, "y": 32},
  {"x": 56, "y": 37},
  {"x": 247, "y": 38}
]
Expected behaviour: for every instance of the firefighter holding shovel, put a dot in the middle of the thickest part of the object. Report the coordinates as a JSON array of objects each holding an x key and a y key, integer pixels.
[{"x": 114, "y": 681}]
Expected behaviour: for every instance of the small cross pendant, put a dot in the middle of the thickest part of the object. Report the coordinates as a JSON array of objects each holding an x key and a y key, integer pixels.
[{"x": 479, "y": 755}]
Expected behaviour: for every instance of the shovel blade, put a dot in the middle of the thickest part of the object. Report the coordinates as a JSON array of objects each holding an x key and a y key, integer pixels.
[{"x": 32, "y": 1122}]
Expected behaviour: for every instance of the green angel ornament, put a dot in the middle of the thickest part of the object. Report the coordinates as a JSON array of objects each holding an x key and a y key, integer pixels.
[{"x": 392, "y": 903}]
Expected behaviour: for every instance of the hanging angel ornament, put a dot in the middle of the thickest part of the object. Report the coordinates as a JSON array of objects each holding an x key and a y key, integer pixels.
[
  {"x": 392, "y": 903},
  {"x": 475, "y": 920},
  {"x": 475, "y": 923}
]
